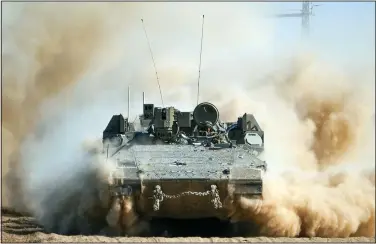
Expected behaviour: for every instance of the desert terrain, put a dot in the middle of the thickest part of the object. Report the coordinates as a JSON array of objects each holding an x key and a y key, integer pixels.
[{"x": 24, "y": 229}]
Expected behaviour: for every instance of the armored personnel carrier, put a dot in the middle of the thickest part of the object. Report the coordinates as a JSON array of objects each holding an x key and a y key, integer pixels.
[{"x": 185, "y": 165}]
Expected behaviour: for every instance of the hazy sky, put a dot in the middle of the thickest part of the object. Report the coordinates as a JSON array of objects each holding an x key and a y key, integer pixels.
[
  {"x": 343, "y": 28},
  {"x": 241, "y": 42}
]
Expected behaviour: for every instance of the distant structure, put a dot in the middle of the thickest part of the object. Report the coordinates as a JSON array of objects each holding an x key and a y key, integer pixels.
[{"x": 305, "y": 13}]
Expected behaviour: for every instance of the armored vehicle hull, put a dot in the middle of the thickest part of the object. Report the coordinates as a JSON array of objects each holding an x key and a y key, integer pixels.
[
  {"x": 187, "y": 170},
  {"x": 177, "y": 180}
]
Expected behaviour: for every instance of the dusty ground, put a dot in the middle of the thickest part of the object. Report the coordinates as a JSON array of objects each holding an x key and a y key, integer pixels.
[{"x": 23, "y": 229}]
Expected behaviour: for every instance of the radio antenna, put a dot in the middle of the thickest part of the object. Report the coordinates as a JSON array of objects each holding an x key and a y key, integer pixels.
[
  {"x": 129, "y": 101},
  {"x": 199, "y": 67},
  {"x": 152, "y": 57}
]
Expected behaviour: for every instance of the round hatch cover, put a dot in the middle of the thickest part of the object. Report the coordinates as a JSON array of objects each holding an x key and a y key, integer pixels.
[{"x": 206, "y": 112}]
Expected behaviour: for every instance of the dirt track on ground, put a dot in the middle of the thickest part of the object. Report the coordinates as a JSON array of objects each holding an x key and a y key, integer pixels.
[{"x": 23, "y": 229}]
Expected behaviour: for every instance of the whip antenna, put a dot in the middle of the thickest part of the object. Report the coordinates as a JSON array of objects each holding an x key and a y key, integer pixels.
[
  {"x": 152, "y": 57},
  {"x": 199, "y": 67}
]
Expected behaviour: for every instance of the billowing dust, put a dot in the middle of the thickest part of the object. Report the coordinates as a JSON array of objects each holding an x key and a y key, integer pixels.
[
  {"x": 317, "y": 198},
  {"x": 321, "y": 198},
  {"x": 48, "y": 50},
  {"x": 57, "y": 51}
]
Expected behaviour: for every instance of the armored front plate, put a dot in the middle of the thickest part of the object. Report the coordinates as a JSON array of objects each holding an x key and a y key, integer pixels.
[{"x": 189, "y": 162}]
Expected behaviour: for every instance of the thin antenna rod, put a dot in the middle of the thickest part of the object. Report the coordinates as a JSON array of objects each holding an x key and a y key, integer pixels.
[
  {"x": 129, "y": 100},
  {"x": 152, "y": 57},
  {"x": 199, "y": 67}
]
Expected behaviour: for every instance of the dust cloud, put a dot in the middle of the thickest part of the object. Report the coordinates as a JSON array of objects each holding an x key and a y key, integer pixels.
[
  {"x": 328, "y": 187},
  {"x": 66, "y": 68},
  {"x": 48, "y": 49},
  {"x": 42, "y": 56}
]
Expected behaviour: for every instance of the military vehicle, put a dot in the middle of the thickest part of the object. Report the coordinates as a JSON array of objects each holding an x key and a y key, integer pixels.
[{"x": 185, "y": 165}]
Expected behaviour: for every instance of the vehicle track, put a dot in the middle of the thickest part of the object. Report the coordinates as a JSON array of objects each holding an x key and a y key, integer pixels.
[{"x": 15, "y": 228}]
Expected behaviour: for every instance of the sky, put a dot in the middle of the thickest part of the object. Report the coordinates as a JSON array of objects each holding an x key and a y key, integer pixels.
[
  {"x": 241, "y": 43},
  {"x": 336, "y": 26}
]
